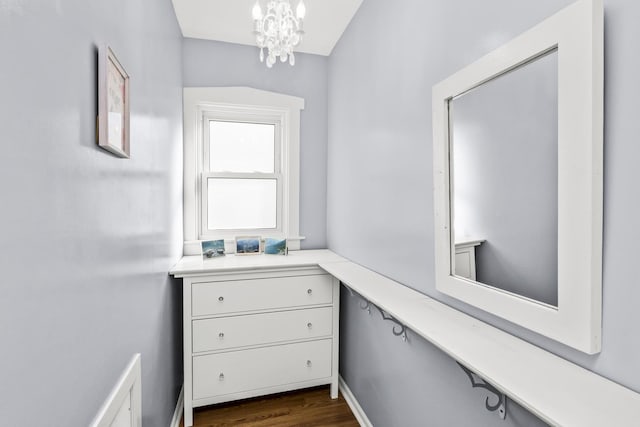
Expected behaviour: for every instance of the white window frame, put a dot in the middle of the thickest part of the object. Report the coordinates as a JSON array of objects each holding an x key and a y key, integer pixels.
[
  {"x": 240, "y": 104},
  {"x": 240, "y": 115}
]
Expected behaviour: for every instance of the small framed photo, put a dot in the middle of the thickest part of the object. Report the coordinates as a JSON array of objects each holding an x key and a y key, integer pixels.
[
  {"x": 247, "y": 245},
  {"x": 212, "y": 248},
  {"x": 113, "y": 104},
  {"x": 275, "y": 246}
]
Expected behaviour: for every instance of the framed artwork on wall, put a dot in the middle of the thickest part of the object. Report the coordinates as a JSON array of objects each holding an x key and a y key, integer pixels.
[{"x": 113, "y": 104}]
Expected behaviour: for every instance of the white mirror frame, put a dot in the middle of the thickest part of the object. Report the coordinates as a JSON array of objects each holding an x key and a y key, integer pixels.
[{"x": 578, "y": 32}]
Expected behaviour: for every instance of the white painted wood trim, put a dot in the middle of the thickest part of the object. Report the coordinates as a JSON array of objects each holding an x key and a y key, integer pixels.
[
  {"x": 129, "y": 384},
  {"x": 577, "y": 32},
  {"x": 177, "y": 413},
  {"x": 197, "y": 100},
  {"x": 355, "y": 407}
]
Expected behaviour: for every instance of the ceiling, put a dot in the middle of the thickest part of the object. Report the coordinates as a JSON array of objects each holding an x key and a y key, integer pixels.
[{"x": 230, "y": 21}]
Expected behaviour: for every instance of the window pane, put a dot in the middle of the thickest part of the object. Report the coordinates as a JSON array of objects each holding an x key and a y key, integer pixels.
[
  {"x": 236, "y": 204},
  {"x": 241, "y": 147}
]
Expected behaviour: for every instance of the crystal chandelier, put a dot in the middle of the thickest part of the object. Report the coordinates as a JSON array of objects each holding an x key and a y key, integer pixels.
[{"x": 278, "y": 30}]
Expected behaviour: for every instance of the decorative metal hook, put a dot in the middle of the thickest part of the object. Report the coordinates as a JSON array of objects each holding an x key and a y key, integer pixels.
[{"x": 501, "y": 405}]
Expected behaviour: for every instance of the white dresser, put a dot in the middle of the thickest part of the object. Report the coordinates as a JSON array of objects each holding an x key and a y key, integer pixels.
[
  {"x": 465, "y": 260},
  {"x": 256, "y": 325}
]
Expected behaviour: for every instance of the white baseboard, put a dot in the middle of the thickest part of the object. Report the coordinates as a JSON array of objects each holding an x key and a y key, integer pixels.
[
  {"x": 177, "y": 413},
  {"x": 353, "y": 404}
]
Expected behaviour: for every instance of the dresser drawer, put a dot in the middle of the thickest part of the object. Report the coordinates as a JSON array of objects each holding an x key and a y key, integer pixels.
[
  {"x": 238, "y": 331},
  {"x": 238, "y": 371},
  {"x": 212, "y": 298}
]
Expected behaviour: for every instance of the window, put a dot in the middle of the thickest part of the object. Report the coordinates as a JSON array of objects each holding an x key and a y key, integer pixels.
[
  {"x": 241, "y": 180},
  {"x": 241, "y": 157}
]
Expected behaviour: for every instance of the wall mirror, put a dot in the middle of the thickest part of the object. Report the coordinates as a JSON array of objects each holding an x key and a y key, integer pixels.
[{"x": 518, "y": 179}]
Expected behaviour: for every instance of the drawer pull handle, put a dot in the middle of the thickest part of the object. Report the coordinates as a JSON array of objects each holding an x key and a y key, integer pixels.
[
  {"x": 221, "y": 335},
  {"x": 309, "y": 325},
  {"x": 220, "y": 299},
  {"x": 308, "y": 363},
  {"x": 221, "y": 377},
  {"x": 309, "y": 291}
]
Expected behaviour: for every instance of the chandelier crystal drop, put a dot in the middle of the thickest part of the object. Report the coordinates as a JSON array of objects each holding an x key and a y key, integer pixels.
[{"x": 278, "y": 30}]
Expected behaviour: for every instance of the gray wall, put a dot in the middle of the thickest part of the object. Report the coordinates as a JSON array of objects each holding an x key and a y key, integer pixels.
[
  {"x": 87, "y": 238},
  {"x": 380, "y": 193},
  {"x": 211, "y": 63},
  {"x": 505, "y": 178}
]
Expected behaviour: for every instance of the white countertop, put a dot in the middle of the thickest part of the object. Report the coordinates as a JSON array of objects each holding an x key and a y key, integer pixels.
[
  {"x": 468, "y": 241},
  {"x": 556, "y": 390},
  {"x": 196, "y": 265}
]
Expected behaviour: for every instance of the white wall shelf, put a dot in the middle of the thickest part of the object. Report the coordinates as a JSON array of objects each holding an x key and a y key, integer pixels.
[{"x": 554, "y": 389}]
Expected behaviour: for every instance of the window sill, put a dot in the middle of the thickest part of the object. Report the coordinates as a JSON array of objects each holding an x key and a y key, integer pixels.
[{"x": 192, "y": 247}]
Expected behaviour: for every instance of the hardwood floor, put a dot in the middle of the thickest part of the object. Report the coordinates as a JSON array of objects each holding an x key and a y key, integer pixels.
[{"x": 309, "y": 408}]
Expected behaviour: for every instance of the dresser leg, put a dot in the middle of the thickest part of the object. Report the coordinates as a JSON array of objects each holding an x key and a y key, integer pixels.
[
  {"x": 334, "y": 390},
  {"x": 188, "y": 416}
]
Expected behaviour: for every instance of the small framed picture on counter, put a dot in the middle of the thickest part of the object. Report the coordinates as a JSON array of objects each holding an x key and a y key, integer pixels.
[
  {"x": 275, "y": 246},
  {"x": 212, "y": 248},
  {"x": 248, "y": 245}
]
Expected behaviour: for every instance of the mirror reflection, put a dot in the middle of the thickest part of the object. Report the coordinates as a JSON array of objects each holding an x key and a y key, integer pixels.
[{"x": 504, "y": 181}]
